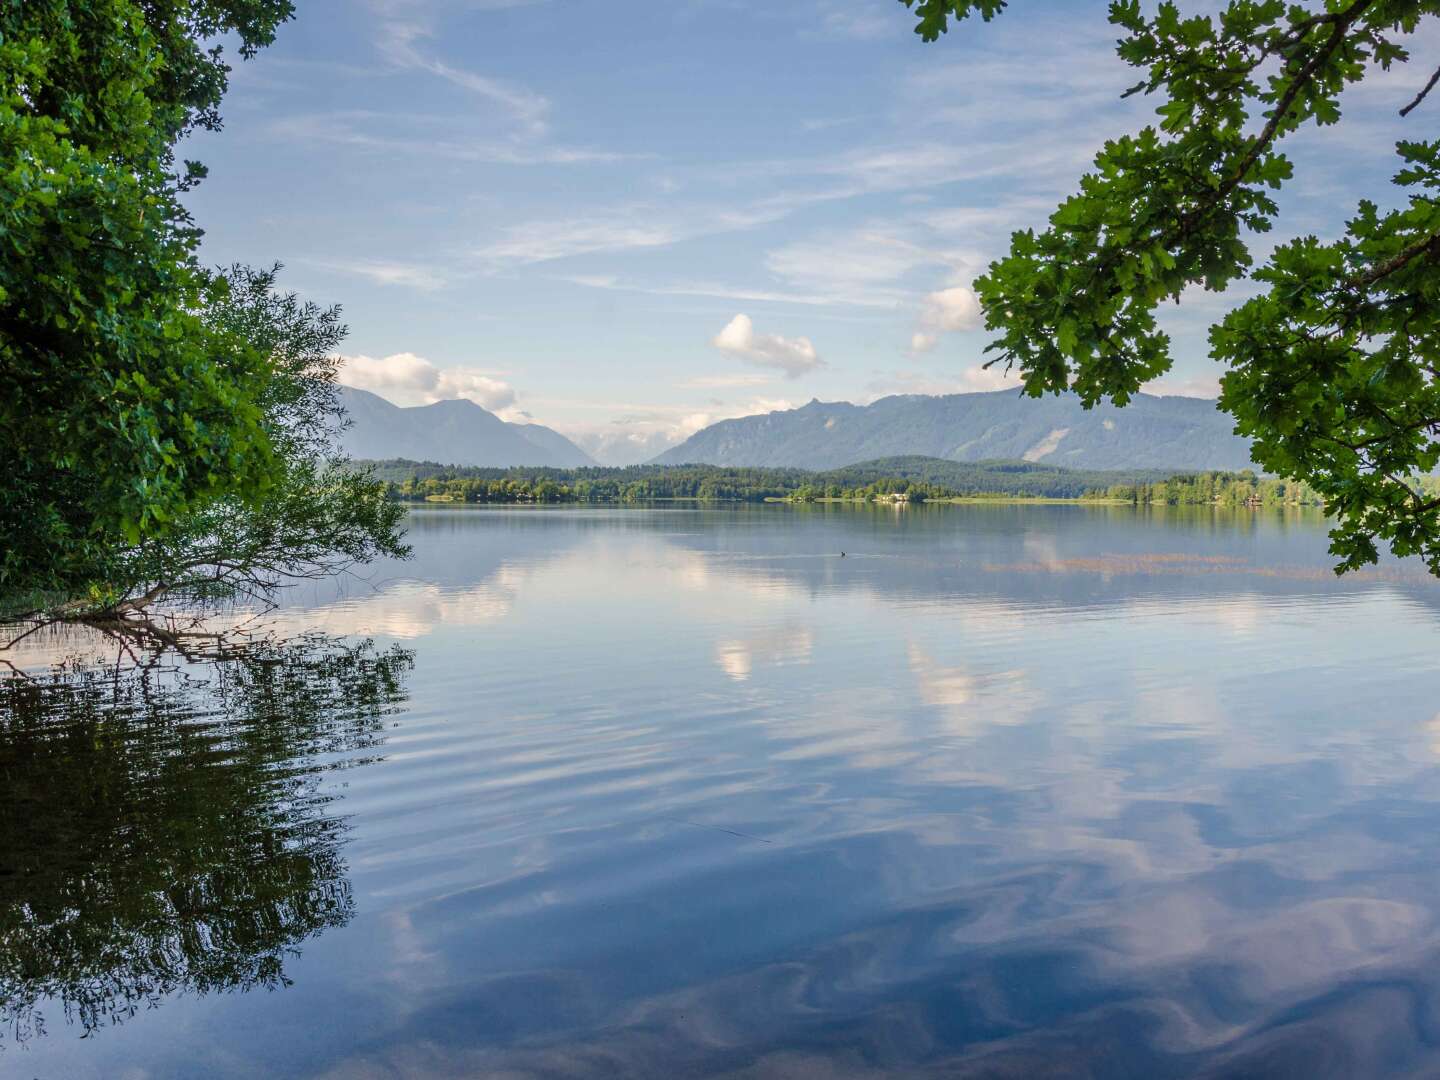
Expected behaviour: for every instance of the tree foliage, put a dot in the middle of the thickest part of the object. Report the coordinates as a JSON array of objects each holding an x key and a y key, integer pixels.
[
  {"x": 166, "y": 430},
  {"x": 1334, "y": 370},
  {"x": 919, "y": 479},
  {"x": 1233, "y": 490},
  {"x": 122, "y": 410},
  {"x": 316, "y": 515}
]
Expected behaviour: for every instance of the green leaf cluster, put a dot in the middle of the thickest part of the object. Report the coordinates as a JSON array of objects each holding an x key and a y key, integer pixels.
[
  {"x": 122, "y": 411},
  {"x": 1333, "y": 370},
  {"x": 315, "y": 515}
]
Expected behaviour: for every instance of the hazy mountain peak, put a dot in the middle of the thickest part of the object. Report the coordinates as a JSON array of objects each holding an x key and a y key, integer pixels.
[{"x": 453, "y": 432}]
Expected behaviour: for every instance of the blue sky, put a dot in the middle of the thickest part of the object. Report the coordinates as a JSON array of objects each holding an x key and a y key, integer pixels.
[{"x": 627, "y": 220}]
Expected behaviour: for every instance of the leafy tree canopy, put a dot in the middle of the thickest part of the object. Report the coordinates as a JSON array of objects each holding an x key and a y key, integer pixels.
[
  {"x": 316, "y": 514},
  {"x": 1334, "y": 370},
  {"x": 122, "y": 410}
]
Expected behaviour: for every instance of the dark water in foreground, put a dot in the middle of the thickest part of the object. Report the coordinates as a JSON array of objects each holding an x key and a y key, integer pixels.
[{"x": 1044, "y": 791}]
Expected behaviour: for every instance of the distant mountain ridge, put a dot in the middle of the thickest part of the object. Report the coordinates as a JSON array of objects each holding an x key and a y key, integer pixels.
[
  {"x": 452, "y": 432},
  {"x": 1150, "y": 433}
]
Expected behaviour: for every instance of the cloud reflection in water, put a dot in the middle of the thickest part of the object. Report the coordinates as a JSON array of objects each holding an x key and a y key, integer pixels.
[{"x": 706, "y": 800}]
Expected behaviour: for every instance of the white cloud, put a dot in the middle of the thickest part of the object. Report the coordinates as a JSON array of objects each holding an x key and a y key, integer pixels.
[
  {"x": 688, "y": 424},
  {"x": 400, "y": 373},
  {"x": 945, "y": 312},
  {"x": 407, "y": 379},
  {"x": 493, "y": 394},
  {"x": 979, "y": 378},
  {"x": 794, "y": 356},
  {"x": 861, "y": 266},
  {"x": 697, "y": 421},
  {"x": 765, "y": 405}
]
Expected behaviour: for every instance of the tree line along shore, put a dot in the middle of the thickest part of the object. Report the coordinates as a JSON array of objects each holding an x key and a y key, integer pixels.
[{"x": 898, "y": 480}]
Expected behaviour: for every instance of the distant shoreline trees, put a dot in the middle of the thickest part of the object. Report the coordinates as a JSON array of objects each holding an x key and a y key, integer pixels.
[{"x": 914, "y": 480}]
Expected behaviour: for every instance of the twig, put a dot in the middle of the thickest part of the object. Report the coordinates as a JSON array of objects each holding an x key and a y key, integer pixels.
[{"x": 1423, "y": 93}]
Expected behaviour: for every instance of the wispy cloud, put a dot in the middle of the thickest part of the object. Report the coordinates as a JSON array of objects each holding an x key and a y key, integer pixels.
[
  {"x": 856, "y": 23},
  {"x": 402, "y": 42},
  {"x": 874, "y": 200},
  {"x": 721, "y": 291},
  {"x": 543, "y": 241},
  {"x": 633, "y": 225},
  {"x": 394, "y": 134},
  {"x": 867, "y": 264},
  {"x": 384, "y": 272}
]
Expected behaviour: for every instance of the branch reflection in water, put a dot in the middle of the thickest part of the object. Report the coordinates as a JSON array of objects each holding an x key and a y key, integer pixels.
[{"x": 164, "y": 828}]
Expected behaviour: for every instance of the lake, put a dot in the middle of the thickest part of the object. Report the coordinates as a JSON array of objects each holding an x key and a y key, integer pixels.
[{"x": 1001, "y": 790}]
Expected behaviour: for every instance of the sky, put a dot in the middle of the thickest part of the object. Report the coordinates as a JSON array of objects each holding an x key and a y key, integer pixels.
[{"x": 629, "y": 220}]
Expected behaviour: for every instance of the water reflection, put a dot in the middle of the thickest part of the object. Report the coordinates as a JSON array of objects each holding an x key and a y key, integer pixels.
[
  {"x": 1000, "y": 794},
  {"x": 791, "y": 643},
  {"x": 1039, "y": 791},
  {"x": 162, "y": 828}
]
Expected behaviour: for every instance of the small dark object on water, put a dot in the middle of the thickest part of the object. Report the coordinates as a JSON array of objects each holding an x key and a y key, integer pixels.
[{"x": 842, "y": 554}]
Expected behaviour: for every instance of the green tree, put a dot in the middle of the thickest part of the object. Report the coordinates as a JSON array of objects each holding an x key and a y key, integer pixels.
[
  {"x": 1334, "y": 370},
  {"x": 315, "y": 515},
  {"x": 123, "y": 410}
]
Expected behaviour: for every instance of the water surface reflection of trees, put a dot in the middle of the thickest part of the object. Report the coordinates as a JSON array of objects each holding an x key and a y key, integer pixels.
[{"x": 164, "y": 828}]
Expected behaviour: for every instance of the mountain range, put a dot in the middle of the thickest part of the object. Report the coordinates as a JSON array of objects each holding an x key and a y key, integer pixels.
[
  {"x": 451, "y": 432},
  {"x": 1177, "y": 433},
  {"x": 1149, "y": 433}
]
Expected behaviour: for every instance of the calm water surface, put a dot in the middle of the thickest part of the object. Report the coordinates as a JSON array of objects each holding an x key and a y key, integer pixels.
[{"x": 1004, "y": 791}]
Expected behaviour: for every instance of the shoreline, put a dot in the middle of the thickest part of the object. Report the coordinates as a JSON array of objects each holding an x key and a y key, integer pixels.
[{"x": 958, "y": 500}]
